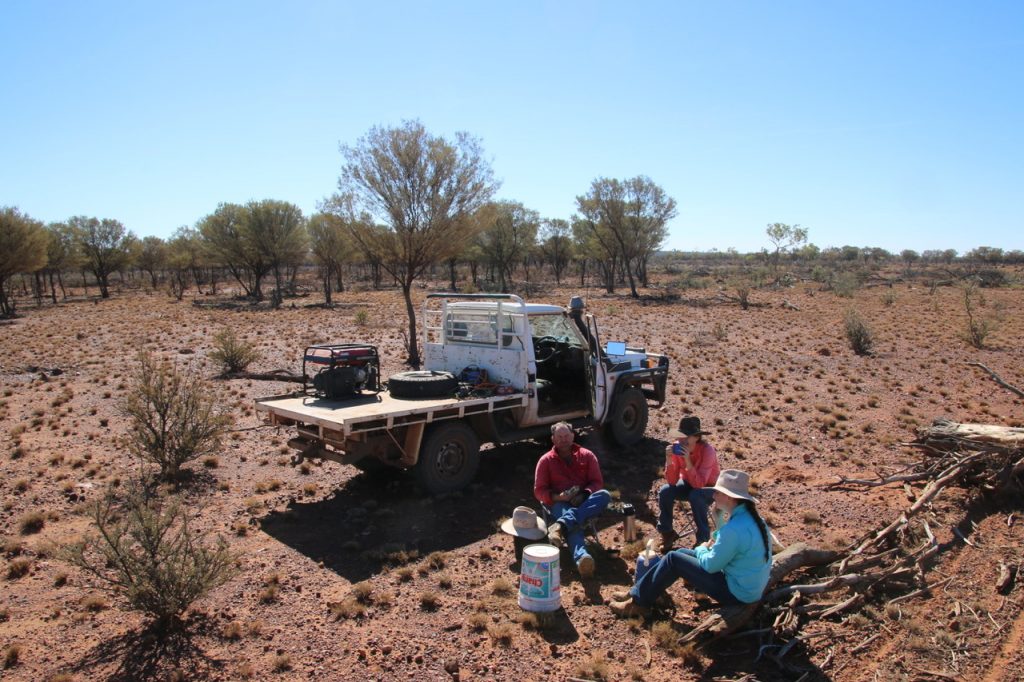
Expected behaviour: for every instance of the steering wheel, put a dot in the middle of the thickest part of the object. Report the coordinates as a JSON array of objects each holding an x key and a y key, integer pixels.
[{"x": 545, "y": 348}]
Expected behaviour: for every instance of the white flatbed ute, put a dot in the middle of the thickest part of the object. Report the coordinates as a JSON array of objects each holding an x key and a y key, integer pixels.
[{"x": 498, "y": 370}]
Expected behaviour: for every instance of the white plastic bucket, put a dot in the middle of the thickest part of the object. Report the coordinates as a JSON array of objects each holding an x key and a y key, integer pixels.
[{"x": 540, "y": 586}]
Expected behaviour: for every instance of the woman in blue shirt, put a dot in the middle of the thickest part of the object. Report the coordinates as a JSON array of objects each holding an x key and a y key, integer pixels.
[{"x": 732, "y": 567}]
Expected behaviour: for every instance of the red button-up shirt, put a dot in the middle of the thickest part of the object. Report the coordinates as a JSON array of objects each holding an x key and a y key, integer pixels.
[{"x": 555, "y": 476}]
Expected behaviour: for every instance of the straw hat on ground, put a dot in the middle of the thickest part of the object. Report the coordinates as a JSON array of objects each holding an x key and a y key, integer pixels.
[{"x": 525, "y": 524}]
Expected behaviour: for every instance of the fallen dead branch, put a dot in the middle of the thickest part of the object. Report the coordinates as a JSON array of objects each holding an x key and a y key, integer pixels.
[
  {"x": 273, "y": 375},
  {"x": 999, "y": 380}
]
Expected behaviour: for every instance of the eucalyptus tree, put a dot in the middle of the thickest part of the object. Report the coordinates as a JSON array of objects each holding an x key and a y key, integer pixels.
[
  {"x": 23, "y": 243},
  {"x": 105, "y": 246},
  {"x": 784, "y": 238},
  {"x": 422, "y": 188}
]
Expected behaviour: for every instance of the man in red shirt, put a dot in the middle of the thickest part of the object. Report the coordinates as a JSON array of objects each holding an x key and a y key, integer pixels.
[
  {"x": 691, "y": 467},
  {"x": 568, "y": 482}
]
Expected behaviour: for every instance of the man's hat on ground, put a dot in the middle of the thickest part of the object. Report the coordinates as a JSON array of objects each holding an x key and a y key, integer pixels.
[
  {"x": 734, "y": 483},
  {"x": 525, "y": 524},
  {"x": 688, "y": 426}
]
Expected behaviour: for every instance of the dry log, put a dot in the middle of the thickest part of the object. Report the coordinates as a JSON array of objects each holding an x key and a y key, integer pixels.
[
  {"x": 978, "y": 434},
  {"x": 999, "y": 380},
  {"x": 273, "y": 375}
]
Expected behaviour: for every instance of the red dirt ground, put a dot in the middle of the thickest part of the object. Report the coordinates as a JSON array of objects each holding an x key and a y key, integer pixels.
[{"x": 779, "y": 388}]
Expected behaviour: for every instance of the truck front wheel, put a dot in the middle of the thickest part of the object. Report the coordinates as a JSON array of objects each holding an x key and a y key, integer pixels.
[
  {"x": 629, "y": 417},
  {"x": 449, "y": 458}
]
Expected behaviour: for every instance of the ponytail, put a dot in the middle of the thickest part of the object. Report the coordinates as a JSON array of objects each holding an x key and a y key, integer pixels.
[{"x": 761, "y": 526}]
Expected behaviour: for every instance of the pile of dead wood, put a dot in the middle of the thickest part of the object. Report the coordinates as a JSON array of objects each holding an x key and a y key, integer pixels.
[{"x": 888, "y": 565}]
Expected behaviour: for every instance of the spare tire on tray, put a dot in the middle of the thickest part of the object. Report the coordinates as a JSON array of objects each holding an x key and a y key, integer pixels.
[{"x": 422, "y": 384}]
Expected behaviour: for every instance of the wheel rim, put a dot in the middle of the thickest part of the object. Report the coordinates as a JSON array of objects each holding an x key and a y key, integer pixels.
[
  {"x": 451, "y": 459},
  {"x": 630, "y": 417}
]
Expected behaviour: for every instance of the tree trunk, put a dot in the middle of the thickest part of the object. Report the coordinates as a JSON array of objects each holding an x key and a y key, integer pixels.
[
  {"x": 412, "y": 343},
  {"x": 451, "y": 274},
  {"x": 325, "y": 275},
  {"x": 53, "y": 289}
]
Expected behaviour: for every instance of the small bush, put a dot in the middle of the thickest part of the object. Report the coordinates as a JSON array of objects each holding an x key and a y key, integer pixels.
[
  {"x": 147, "y": 554},
  {"x": 362, "y": 317},
  {"x": 282, "y": 663},
  {"x": 347, "y": 608},
  {"x": 31, "y": 523},
  {"x": 18, "y": 568},
  {"x": 12, "y": 654},
  {"x": 888, "y": 298},
  {"x": 979, "y": 327},
  {"x": 173, "y": 417},
  {"x": 429, "y": 600},
  {"x": 233, "y": 354},
  {"x": 858, "y": 334}
]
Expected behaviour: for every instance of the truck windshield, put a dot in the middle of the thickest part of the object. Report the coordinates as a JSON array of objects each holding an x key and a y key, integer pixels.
[{"x": 557, "y": 326}]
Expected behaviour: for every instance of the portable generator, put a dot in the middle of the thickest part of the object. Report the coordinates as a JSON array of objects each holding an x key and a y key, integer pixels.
[{"x": 343, "y": 370}]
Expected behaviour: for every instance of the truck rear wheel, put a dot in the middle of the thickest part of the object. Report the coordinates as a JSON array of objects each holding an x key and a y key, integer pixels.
[
  {"x": 422, "y": 384},
  {"x": 629, "y": 417},
  {"x": 449, "y": 458}
]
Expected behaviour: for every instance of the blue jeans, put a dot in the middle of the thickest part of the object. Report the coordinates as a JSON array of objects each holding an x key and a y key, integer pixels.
[
  {"x": 573, "y": 518},
  {"x": 700, "y": 500},
  {"x": 681, "y": 563}
]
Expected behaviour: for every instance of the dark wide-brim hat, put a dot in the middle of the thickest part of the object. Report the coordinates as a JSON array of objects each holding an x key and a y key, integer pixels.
[{"x": 688, "y": 426}]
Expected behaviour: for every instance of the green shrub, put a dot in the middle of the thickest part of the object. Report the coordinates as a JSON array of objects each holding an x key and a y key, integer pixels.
[
  {"x": 232, "y": 353},
  {"x": 979, "y": 327},
  {"x": 845, "y": 284},
  {"x": 173, "y": 417},
  {"x": 858, "y": 334},
  {"x": 145, "y": 553}
]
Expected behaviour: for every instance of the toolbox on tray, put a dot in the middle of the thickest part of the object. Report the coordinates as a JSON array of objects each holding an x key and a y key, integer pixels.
[{"x": 342, "y": 370}]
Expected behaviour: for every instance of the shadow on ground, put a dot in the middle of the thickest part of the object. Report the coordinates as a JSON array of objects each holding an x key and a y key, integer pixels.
[{"x": 375, "y": 515}]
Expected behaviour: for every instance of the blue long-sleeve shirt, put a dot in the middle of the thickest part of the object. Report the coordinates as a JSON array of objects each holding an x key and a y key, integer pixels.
[{"x": 738, "y": 550}]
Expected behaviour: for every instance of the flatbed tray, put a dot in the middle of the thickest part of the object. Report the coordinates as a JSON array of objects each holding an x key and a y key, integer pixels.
[{"x": 369, "y": 411}]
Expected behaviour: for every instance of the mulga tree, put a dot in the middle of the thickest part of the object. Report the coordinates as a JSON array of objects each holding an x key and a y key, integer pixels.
[
  {"x": 105, "y": 246},
  {"x": 23, "y": 244},
  {"x": 556, "y": 245},
  {"x": 278, "y": 231},
  {"x": 61, "y": 255},
  {"x": 227, "y": 239},
  {"x": 151, "y": 258},
  {"x": 332, "y": 248},
  {"x": 629, "y": 217},
  {"x": 421, "y": 188},
  {"x": 508, "y": 238}
]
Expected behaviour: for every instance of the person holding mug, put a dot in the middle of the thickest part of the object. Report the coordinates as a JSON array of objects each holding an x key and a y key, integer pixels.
[
  {"x": 691, "y": 465},
  {"x": 733, "y": 567}
]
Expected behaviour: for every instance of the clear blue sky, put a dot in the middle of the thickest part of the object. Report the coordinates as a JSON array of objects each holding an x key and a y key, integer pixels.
[{"x": 892, "y": 124}]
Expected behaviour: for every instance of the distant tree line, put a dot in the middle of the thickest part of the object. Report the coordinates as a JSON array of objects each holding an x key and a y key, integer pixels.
[{"x": 408, "y": 203}]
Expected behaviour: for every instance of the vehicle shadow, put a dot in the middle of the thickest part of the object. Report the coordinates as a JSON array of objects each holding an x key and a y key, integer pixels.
[{"x": 376, "y": 520}]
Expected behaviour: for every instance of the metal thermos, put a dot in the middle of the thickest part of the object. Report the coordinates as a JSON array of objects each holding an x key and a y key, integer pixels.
[{"x": 628, "y": 523}]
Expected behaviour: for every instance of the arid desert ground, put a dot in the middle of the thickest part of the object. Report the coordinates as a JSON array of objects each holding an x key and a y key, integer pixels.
[{"x": 350, "y": 576}]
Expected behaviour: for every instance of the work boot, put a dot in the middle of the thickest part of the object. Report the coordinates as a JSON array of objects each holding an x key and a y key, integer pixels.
[
  {"x": 556, "y": 534},
  {"x": 668, "y": 538},
  {"x": 629, "y": 609},
  {"x": 586, "y": 566},
  {"x": 663, "y": 601}
]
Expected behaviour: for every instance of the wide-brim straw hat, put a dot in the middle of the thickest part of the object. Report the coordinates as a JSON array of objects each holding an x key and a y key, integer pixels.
[
  {"x": 525, "y": 524},
  {"x": 734, "y": 483},
  {"x": 688, "y": 426}
]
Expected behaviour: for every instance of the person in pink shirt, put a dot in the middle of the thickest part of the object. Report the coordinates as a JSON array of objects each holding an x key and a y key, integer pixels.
[
  {"x": 691, "y": 468},
  {"x": 569, "y": 484}
]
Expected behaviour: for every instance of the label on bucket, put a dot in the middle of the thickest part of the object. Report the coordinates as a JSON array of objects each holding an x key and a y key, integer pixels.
[{"x": 539, "y": 582}]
